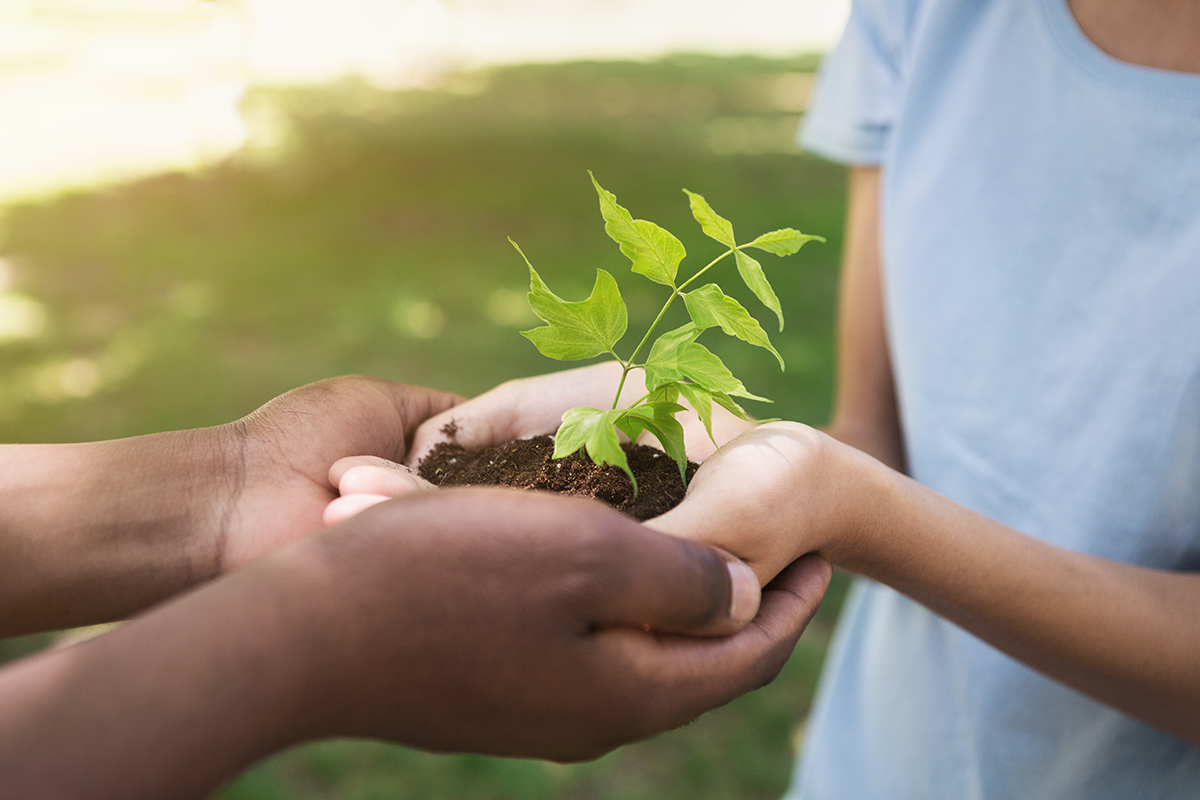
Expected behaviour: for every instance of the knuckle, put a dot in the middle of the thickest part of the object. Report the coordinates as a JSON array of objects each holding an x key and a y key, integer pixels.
[{"x": 802, "y": 433}]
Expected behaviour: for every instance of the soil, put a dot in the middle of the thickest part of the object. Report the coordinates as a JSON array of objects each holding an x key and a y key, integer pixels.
[{"x": 527, "y": 464}]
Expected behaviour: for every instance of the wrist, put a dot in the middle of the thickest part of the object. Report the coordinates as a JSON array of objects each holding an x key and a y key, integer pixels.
[
  {"x": 96, "y": 531},
  {"x": 284, "y": 619},
  {"x": 170, "y": 495},
  {"x": 313, "y": 637},
  {"x": 865, "y": 500}
]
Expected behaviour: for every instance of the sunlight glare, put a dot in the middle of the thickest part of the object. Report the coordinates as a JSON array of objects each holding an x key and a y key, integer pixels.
[
  {"x": 94, "y": 91},
  {"x": 21, "y": 317}
]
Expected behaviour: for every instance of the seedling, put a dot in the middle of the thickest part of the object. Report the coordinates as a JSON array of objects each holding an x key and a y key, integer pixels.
[{"x": 677, "y": 365}]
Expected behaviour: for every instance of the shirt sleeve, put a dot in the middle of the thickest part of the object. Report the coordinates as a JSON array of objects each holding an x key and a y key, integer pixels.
[{"x": 858, "y": 88}]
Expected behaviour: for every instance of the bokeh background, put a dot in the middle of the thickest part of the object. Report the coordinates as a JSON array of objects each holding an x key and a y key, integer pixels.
[{"x": 205, "y": 204}]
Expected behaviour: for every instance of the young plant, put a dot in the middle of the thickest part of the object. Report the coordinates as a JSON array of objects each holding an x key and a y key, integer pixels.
[{"x": 677, "y": 365}]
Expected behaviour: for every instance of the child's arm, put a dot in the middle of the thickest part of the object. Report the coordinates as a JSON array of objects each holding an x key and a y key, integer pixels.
[
  {"x": 1126, "y": 635},
  {"x": 865, "y": 413}
]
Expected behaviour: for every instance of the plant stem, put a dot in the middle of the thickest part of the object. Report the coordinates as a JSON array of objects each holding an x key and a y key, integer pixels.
[
  {"x": 624, "y": 372},
  {"x": 711, "y": 264},
  {"x": 626, "y": 366}
]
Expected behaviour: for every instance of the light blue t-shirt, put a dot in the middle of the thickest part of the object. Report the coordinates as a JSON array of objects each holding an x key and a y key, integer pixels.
[{"x": 1041, "y": 246}]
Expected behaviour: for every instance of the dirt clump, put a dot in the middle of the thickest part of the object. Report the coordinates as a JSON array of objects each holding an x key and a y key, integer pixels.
[{"x": 528, "y": 464}]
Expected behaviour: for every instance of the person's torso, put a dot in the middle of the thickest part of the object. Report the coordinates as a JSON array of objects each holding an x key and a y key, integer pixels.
[{"x": 1041, "y": 241}]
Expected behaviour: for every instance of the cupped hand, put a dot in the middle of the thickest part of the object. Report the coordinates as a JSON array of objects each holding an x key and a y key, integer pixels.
[
  {"x": 772, "y": 495},
  {"x": 517, "y": 409},
  {"x": 470, "y": 620},
  {"x": 528, "y": 407},
  {"x": 511, "y": 623},
  {"x": 278, "y": 483}
]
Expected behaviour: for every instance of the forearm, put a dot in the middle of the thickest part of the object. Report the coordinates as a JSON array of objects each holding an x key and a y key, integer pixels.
[
  {"x": 170, "y": 704},
  {"x": 94, "y": 532},
  {"x": 1126, "y": 635},
  {"x": 881, "y": 441},
  {"x": 866, "y": 412}
]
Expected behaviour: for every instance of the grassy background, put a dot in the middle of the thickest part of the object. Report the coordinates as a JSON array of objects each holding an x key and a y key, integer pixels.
[{"x": 370, "y": 236}]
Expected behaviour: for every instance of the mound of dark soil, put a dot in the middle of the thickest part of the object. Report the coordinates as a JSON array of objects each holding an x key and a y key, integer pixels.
[{"x": 527, "y": 464}]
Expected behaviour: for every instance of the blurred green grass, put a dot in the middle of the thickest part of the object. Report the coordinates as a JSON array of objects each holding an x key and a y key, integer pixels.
[{"x": 371, "y": 238}]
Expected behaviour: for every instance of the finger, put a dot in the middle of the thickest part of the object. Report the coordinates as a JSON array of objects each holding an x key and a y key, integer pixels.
[
  {"x": 670, "y": 585},
  {"x": 373, "y": 475},
  {"x": 347, "y": 506},
  {"x": 706, "y": 673},
  {"x": 791, "y": 600},
  {"x": 523, "y": 408},
  {"x": 382, "y": 480},
  {"x": 789, "y": 603}
]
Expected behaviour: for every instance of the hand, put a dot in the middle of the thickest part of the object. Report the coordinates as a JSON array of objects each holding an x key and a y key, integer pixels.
[
  {"x": 528, "y": 407},
  {"x": 774, "y": 494},
  {"x": 285, "y": 449},
  {"x": 472, "y": 620},
  {"x": 517, "y": 632},
  {"x": 517, "y": 409},
  {"x": 365, "y": 481}
]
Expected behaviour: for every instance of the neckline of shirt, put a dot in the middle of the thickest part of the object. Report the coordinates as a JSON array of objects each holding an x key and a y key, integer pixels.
[{"x": 1084, "y": 53}]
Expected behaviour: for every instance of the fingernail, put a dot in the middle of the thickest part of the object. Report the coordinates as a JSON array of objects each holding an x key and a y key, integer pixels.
[{"x": 746, "y": 592}]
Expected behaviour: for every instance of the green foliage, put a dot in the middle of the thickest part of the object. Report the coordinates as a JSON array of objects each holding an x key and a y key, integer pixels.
[
  {"x": 677, "y": 365},
  {"x": 592, "y": 430},
  {"x": 783, "y": 242},
  {"x": 709, "y": 306},
  {"x": 754, "y": 277},
  {"x": 654, "y": 252},
  {"x": 577, "y": 330}
]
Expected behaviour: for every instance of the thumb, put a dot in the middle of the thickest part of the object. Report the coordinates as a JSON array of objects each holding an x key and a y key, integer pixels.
[{"x": 669, "y": 585}]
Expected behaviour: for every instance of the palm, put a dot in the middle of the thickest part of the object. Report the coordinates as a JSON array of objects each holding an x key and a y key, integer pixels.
[{"x": 285, "y": 450}]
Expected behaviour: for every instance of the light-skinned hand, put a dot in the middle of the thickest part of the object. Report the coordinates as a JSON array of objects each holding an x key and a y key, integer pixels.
[
  {"x": 774, "y": 494},
  {"x": 517, "y": 409}
]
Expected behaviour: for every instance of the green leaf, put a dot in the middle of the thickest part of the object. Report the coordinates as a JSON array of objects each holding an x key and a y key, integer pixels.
[
  {"x": 713, "y": 224},
  {"x": 667, "y": 393},
  {"x": 700, "y": 399},
  {"x": 680, "y": 360},
  {"x": 659, "y": 419},
  {"x": 654, "y": 251},
  {"x": 752, "y": 273},
  {"x": 709, "y": 307},
  {"x": 576, "y": 330},
  {"x": 783, "y": 242},
  {"x": 592, "y": 430},
  {"x": 672, "y": 339},
  {"x": 726, "y": 402},
  {"x": 729, "y": 405}
]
